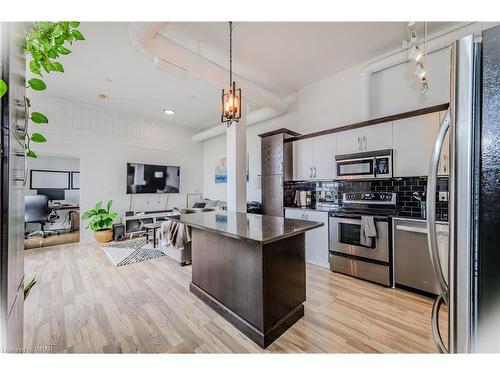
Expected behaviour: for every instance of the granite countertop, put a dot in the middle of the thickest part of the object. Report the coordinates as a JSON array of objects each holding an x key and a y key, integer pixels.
[{"x": 260, "y": 228}]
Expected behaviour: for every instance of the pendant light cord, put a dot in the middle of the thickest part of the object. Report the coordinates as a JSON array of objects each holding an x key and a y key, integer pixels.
[{"x": 230, "y": 54}]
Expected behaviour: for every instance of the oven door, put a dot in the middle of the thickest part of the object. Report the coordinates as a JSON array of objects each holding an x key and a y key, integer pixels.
[
  {"x": 345, "y": 238},
  {"x": 356, "y": 169}
]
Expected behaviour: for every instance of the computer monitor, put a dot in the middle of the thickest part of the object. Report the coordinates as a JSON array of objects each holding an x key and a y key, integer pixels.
[{"x": 53, "y": 194}]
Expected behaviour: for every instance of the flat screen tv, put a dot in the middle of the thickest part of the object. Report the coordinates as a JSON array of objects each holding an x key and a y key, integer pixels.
[{"x": 152, "y": 179}]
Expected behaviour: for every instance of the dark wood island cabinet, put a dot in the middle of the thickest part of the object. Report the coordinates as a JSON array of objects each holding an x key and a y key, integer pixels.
[{"x": 250, "y": 269}]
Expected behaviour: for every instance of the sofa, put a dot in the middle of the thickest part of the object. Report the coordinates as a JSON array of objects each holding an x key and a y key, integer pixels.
[
  {"x": 204, "y": 205},
  {"x": 183, "y": 255}
]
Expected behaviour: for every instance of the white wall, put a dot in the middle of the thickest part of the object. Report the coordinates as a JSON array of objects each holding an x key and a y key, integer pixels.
[
  {"x": 336, "y": 101},
  {"x": 105, "y": 141}
]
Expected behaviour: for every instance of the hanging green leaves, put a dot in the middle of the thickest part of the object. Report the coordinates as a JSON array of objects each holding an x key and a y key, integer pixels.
[
  {"x": 38, "y": 138},
  {"x": 37, "y": 84},
  {"x": 3, "y": 88},
  {"x": 39, "y": 118},
  {"x": 45, "y": 43},
  {"x": 31, "y": 154}
]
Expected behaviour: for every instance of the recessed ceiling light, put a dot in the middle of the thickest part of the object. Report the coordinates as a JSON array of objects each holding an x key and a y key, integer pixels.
[
  {"x": 101, "y": 96},
  {"x": 169, "y": 111}
]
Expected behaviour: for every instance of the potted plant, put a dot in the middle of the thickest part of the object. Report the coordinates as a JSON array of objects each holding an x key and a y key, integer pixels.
[{"x": 101, "y": 221}]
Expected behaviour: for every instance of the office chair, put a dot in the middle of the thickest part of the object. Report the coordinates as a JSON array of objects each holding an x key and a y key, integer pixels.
[{"x": 37, "y": 210}]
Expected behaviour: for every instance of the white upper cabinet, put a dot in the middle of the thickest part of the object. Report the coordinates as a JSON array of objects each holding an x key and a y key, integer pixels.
[
  {"x": 302, "y": 151},
  {"x": 412, "y": 140},
  {"x": 315, "y": 158},
  {"x": 377, "y": 137},
  {"x": 324, "y": 149},
  {"x": 370, "y": 138},
  {"x": 349, "y": 142},
  {"x": 413, "y": 143},
  {"x": 444, "y": 161}
]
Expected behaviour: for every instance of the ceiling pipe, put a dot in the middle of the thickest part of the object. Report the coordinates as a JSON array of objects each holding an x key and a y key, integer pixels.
[
  {"x": 434, "y": 43},
  {"x": 255, "y": 117},
  {"x": 146, "y": 36}
]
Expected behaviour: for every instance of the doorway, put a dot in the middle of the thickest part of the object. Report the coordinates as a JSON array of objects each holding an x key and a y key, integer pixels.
[{"x": 52, "y": 202}]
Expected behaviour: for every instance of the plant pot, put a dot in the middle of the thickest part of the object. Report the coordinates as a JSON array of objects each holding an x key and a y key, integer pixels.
[{"x": 103, "y": 235}]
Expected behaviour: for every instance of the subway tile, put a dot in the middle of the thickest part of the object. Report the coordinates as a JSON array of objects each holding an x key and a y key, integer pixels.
[{"x": 404, "y": 187}]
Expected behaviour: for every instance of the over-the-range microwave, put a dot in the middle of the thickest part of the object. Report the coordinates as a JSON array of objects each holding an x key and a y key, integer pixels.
[{"x": 364, "y": 165}]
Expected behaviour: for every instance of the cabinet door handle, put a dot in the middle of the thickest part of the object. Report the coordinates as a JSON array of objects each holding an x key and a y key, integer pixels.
[
  {"x": 359, "y": 143},
  {"x": 310, "y": 172},
  {"x": 314, "y": 172},
  {"x": 365, "y": 142}
]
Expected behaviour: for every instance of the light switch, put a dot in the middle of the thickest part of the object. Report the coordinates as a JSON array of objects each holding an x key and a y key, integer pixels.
[{"x": 443, "y": 196}]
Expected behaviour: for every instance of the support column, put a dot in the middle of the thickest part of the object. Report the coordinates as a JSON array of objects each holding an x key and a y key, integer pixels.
[{"x": 236, "y": 142}]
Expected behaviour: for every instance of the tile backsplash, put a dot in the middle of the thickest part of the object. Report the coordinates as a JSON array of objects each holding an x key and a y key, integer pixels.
[{"x": 331, "y": 192}]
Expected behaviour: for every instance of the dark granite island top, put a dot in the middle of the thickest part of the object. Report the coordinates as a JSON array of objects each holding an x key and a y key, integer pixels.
[
  {"x": 250, "y": 269},
  {"x": 260, "y": 228}
]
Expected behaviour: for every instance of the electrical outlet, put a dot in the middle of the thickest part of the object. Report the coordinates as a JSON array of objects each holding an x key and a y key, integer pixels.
[{"x": 443, "y": 196}]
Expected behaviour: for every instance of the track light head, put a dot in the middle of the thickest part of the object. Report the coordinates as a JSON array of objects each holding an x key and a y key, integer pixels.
[
  {"x": 420, "y": 71},
  {"x": 415, "y": 54}
]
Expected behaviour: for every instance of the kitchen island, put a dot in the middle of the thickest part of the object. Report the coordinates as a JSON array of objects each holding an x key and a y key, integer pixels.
[{"x": 250, "y": 269}]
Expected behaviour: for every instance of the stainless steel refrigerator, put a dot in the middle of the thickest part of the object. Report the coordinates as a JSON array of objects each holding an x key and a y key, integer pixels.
[
  {"x": 13, "y": 173},
  {"x": 470, "y": 281}
]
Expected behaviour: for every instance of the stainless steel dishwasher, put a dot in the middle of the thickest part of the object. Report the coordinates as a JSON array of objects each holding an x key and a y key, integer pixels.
[{"x": 412, "y": 262}]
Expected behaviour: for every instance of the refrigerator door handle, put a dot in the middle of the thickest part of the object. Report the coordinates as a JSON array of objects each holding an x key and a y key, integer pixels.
[
  {"x": 431, "y": 206},
  {"x": 431, "y": 229},
  {"x": 435, "y": 324}
]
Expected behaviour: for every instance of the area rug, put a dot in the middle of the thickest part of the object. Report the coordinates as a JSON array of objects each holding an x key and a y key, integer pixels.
[{"x": 131, "y": 251}]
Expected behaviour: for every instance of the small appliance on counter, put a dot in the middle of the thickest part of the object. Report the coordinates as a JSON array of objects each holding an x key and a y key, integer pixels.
[
  {"x": 350, "y": 253},
  {"x": 364, "y": 165},
  {"x": 304, "y": 198}
]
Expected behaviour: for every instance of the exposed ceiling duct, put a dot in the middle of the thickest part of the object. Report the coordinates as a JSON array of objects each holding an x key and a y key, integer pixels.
[{"x": 179, "y": 60}]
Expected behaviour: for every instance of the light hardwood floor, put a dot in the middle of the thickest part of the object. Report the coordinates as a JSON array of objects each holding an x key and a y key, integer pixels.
[{"x": 83, "y": 304}]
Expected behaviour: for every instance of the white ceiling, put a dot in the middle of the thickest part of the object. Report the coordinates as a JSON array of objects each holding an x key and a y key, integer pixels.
[{"x": 281, "y": 56}]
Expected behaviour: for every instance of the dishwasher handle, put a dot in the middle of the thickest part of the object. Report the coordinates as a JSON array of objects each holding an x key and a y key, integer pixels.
[{"x": 406, "y": 228}]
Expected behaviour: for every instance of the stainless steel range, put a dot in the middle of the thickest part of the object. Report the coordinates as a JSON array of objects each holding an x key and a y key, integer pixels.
[{"x": 348, "y": 253}]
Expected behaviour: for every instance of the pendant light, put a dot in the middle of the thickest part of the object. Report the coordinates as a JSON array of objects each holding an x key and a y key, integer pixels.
[{"x": 231, "y": 98}]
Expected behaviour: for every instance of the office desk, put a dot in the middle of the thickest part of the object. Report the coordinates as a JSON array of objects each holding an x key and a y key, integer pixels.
[
  {"x": 63, "y": 207},
  {"x": 58, "y": 207}
]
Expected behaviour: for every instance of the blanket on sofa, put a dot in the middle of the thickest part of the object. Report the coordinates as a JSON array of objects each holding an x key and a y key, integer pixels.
[{"x": 174, "y": 233}]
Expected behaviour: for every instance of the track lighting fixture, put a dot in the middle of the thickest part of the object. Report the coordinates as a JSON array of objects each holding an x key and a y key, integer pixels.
[
  {"x": 415, "y": 54},
  {"x": 424, "y": 86},
  {"x": 420, "y": 71}
]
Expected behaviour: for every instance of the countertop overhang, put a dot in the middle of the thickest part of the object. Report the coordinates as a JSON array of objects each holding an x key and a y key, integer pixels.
[{"x": 262, "y": 229}]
